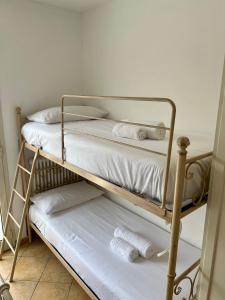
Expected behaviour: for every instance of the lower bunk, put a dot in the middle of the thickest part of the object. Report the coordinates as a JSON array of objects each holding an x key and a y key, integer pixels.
[{"x": 80, "y": 237}]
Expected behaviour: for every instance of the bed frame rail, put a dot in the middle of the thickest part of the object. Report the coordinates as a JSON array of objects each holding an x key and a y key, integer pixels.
[{"x": 170, "y": 129}]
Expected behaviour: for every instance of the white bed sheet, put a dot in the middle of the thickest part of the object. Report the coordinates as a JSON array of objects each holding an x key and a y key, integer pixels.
[
  {"x": 82, "y": 235},
  {"x": 138, "y": 171}
]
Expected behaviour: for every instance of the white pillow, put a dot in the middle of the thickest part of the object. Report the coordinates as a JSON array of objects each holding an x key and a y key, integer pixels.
[
  {"x": 53, "y": 114},
  {"x": 66, "y": 196}
]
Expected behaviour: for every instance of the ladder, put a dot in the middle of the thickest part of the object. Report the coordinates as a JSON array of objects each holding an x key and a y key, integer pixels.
[{"x": 25, "y": 201}]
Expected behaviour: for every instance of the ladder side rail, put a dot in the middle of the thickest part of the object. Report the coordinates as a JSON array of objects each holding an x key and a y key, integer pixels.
[
  {"x": 11, "y": 200},
  {"x": 24, "y": 214}
]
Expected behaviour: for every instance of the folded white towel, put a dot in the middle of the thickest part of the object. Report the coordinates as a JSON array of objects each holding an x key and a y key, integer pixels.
[
  {"x": 144, "y": 246},
  {"x": 124, "y": 249},
  {"x": 130, "y": 131},
  {"x": 156, "y": 133}
]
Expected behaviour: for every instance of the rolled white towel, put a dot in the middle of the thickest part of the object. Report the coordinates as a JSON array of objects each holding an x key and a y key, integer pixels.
[
  {"x": 124, "y": 249},
  {"x": 130, "y": 131},
  {"x": 144, "y": 246},
  {"x": 156, "y": 133}
]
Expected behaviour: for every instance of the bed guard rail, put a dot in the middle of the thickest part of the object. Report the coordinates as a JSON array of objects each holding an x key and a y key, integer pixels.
[{"x": 170, "y": 129}]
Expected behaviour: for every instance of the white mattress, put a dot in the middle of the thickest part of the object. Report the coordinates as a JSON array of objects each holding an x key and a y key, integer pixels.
[
  {"x": 82, "y": 235},
  {"x": 136, "y": 170}
]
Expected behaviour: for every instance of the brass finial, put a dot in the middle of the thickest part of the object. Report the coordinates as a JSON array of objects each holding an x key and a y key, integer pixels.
[
  {"x": 183, "y": 142},
  {"x": 18, "y": 110}
]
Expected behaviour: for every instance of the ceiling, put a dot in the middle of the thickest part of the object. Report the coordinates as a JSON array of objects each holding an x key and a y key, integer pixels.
[{"x": 77, "y": 5}]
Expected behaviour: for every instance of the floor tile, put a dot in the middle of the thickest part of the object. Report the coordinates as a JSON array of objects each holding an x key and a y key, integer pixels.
[
  {"x": 23, "y": 246},
  {"x": 51, "y": 291},
  {"x": 5, "y": 266},
  {"x": 77, "y": 293},
  {"x": 37, "y": 263},
  {"x": 8, "y": 253},
  {"x": 36, "y": 249},
  {"x": 55, "y": 272},
  {"x": 30, "y": 268},
  {"x": 22, "y": 290}
]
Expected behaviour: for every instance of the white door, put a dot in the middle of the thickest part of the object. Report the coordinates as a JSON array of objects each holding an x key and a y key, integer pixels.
[{"x": 212, "y": 281}]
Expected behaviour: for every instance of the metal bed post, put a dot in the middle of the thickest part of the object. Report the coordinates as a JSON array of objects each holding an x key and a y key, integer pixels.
[
  {"x": 24, "y": 177},
  {"x": 19, "y": 125},
  {"x": 62, "y": 130},
  {"x": 169, "y": 151},
  {"x": 183, "y": 143}
]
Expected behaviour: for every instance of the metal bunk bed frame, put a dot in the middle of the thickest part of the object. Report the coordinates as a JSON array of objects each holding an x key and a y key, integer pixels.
[{"x": 174, "y": 216}]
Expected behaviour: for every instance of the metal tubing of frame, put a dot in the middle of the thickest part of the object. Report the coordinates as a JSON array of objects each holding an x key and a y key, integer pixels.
[
  {"x": 62, "y": 130},
  {"x": 183, "y": 143},
  {"x": 114, "y": 120},
  {"x": 113, "y": 141},
  {"x": 169, "y": 151},
  {"x": 119, "y": 98},
  {"x": 186, "y": 272}
]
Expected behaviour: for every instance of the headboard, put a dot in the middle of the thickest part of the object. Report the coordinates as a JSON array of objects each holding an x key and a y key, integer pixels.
[{"x": 49, "y": 175}]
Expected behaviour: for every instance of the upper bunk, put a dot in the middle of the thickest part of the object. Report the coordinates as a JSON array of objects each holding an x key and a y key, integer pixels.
[{"x": 143, "y": 172}]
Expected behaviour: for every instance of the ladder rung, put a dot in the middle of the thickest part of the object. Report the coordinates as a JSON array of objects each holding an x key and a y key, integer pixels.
[
  {"x": 14, "y": 220},
  {"x": 9, "y": 244},
  {"x": 18, "y": 194},
  {"x": 24, "y": 169}
]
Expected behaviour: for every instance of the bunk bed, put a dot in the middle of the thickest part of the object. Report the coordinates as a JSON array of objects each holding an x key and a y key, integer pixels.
[{"x": 169, "y": 205}]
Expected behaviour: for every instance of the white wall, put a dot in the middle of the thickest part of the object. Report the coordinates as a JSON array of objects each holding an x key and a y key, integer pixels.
[
  {"x": 158, "y": 48},
  {"x": 40, "y": 59}
]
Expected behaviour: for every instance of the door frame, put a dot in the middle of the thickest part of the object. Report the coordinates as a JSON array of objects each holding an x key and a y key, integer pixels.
[{"x": 215, "y": 210}]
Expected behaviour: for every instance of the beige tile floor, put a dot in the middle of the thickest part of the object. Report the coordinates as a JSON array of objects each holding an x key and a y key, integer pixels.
[{"x": 39, "y": 275}]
